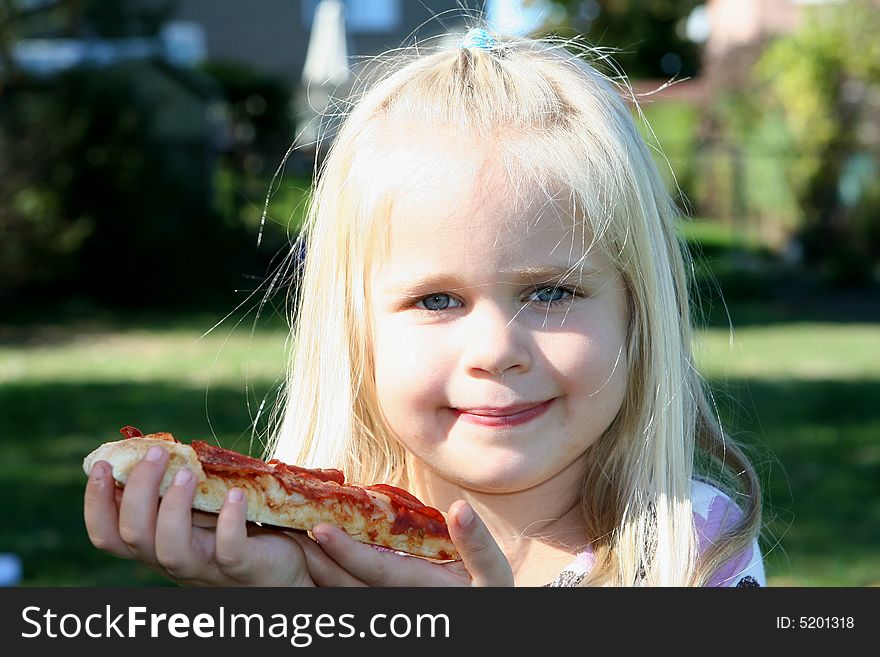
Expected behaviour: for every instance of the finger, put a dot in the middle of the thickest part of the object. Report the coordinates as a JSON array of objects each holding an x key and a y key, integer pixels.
[
  {"x": 175, "y": 549},
  {"x": 480, "y": 553},
  {"x": 231, "y": 547},
  {"x": 101, "y": 512},
  {"x": 204, "y": 519},
  {"x": 323, "y": 570},
  {"x": 371, "y": 566},
  {"x": 140, "y": 503}
]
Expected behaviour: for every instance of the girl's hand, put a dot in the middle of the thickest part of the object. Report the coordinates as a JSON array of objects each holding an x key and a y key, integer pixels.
[
  {"x": 482, "y": 561},
  {"x": 189, "y": 548}
]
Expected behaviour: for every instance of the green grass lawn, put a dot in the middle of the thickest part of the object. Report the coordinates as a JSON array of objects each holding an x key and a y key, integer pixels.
[
  {"x": 802, "y": 393},
  {"x": 804, "y": 398},
  {"x": 66, "y": 388}
]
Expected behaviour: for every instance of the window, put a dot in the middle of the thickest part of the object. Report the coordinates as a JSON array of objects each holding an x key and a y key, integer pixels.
[{"x": 373, "y": 16}]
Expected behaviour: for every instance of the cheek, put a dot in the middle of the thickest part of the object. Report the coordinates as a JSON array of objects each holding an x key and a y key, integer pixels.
[
  {"x": 590, "y": 364},
  {"x": 409, "y": 371},
  {"x": 411, "y": 394}
]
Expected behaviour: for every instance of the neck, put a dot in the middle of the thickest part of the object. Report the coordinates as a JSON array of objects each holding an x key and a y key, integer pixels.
[{"x": 538, "y": 529}]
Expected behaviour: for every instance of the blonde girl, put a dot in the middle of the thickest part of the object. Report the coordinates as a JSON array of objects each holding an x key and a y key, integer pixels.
[{"x": 492, "y": 313}]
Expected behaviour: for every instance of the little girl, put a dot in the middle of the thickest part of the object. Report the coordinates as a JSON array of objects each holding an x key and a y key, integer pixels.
[{"x": 492, "y": 313}]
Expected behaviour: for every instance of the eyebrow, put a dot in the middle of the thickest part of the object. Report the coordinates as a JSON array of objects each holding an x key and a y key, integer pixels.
[{"x": 417, "y": 284}]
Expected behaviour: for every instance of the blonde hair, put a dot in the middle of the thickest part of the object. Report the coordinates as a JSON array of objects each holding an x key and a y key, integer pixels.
[{"x": 554, "y": 119}]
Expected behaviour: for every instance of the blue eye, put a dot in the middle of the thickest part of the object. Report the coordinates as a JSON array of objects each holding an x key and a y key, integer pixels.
[
  {"x": 548, "y": 295},
  {"x": 435, "y": 302},
  {"x": 555, "y": 293}
]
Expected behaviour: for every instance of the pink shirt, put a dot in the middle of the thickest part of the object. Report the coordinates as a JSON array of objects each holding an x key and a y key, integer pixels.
[{"x": 714, "y": 512}]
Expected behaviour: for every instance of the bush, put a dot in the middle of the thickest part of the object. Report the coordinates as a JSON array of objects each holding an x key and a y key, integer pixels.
[
  {"x": 110, "y": 175},
  {"x": 823, "y": 82}
]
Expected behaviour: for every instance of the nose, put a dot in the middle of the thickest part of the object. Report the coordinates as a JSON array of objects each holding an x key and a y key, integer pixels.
[{"x": 495, "y": 342}]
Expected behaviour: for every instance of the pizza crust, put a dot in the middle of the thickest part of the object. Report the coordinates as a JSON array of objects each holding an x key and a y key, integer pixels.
[{"x": 269, "y": 503}]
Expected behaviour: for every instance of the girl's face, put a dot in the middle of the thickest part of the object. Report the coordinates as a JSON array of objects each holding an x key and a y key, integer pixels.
[{"x": 494, "y": 368}]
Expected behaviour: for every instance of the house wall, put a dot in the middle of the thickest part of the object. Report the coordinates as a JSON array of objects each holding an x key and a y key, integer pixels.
[
  {"x": 272, "y": 35},
  {"x": 738, "y": 22}
]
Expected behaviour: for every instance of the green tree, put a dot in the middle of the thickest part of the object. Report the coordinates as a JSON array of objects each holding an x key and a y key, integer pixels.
[
  {"x": 824, "y": 82},
  {"x": 106, "y": 171},
  {"x": 648, "y": 36}
]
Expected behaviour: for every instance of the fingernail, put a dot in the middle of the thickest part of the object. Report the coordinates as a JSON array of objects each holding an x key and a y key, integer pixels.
[
  {"x": 98, "y": 473},
  {"x": 465, "y": 516},
  {"x": 155, "y": 453},
  {"x": 320, "y": 536},
  {"x": 182, "y": 477},
  {"x": 235, "y": 496}
]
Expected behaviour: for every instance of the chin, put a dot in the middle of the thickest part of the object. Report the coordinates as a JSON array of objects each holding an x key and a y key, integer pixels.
[{"x": 499, "y": 482}]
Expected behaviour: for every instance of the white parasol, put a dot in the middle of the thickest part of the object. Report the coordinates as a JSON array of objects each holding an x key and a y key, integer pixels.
[
  {"x": 325, "y": 73},
  {"x": 327, "y": 54}
]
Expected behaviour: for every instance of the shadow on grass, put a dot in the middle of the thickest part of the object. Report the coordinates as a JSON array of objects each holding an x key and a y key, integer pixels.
[
  {"x": 59, "y": 325},
  {"x": 746, "y": 284},
  {"x": 47, "y": 430},
  {"x": 815, "y": 444},
  {"x": 742, "y": 298}
]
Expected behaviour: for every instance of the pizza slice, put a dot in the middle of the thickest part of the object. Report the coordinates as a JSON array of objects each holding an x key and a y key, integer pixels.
[{"x": 288, "y": 496}]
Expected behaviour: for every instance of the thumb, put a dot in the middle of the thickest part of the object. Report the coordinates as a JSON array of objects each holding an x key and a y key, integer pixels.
[{"x": 480, "y": 553}]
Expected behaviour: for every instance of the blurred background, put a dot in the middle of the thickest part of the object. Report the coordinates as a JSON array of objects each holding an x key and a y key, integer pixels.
[{"x": 147, "y": 198}]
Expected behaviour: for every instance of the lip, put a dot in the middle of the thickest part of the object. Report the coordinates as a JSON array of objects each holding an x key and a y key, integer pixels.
[{"x": 506, "y": 416}]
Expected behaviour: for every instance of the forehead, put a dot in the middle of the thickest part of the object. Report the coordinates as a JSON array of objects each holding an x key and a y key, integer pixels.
[
  {"x": 412, "y": 163},
  {"x": 450, "y": 195},
  {"x": 484, "y": 214}
]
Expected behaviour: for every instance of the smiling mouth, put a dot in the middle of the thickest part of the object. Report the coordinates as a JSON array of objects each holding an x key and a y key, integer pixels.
[{"x": 503, "y": 417}]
